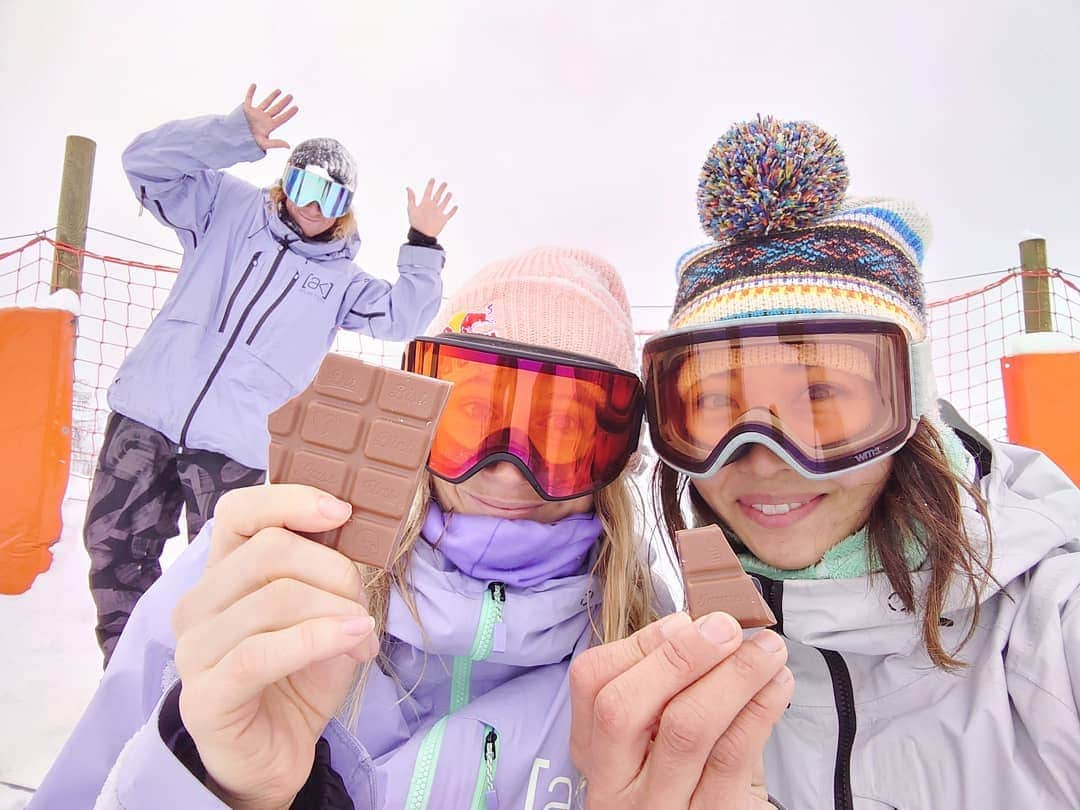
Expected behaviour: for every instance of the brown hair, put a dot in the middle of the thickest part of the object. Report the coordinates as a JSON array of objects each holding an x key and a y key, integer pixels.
[
  {"x": 344, "y": 226},
  {"x": 621, "y": 570},
  {"x": 921, "y": 501}
]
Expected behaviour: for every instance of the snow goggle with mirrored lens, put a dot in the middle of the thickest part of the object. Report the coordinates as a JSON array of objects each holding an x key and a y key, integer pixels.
[
  {"x": 568, "y": 422},
  {"x": 826, "y": 394},
  {"x": 304, "y": 187}
]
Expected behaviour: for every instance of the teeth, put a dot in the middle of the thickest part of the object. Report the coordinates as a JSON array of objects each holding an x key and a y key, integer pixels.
[{"x": 776, "y": 508}]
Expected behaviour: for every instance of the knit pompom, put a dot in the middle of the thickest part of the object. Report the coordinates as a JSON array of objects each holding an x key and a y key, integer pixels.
[{"x": 769, "y": 175}]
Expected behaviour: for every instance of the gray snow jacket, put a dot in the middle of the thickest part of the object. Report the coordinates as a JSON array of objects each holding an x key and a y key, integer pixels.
[{"x": 873, "y": 724}]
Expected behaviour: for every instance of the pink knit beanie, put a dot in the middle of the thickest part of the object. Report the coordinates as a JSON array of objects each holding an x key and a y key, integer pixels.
[{"x": 562, "y": 298}]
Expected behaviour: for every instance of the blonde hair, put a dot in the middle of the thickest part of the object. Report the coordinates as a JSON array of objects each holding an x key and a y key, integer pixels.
[
  {"x": 621, "y": 572},
  {"x": 343, "y": 227}
]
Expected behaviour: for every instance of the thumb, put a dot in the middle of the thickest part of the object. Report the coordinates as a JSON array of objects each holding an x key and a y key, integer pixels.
[
  {"x": 412, "y": 198},
  {"x": 757, "y": 779},
  {"x": 242, "y": 513},
  {"x": 334, "y": 677},
  {"x": 615, "y": 658},
  {"x": 277, "y": 144}
]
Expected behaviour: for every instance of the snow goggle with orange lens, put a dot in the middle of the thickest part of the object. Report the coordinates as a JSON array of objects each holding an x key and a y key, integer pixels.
[
  {"x": 568, "y": 422},
  {"x": 304, "y": 187},
  {"x": 826, "y": 394}
]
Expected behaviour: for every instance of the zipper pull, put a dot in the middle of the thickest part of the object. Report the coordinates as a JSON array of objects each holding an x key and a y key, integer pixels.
[
  {"x": 491, "y": 756},
  {"x": 497, "y": 590}
]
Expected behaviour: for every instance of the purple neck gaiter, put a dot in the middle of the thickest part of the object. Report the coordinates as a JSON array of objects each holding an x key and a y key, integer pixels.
[{"x": 521, "y": 553}]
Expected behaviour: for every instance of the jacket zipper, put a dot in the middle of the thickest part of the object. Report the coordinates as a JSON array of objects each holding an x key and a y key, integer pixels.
[
  {"x": 236, "y": 291},
  {"x": 490, "y": 619},
  {"x": 482, "y": 647},
  {"x": 272, "y": 307},
  {"x": 460, "y": 681},
  {"x": 484, "y": 793},
  {"x": 772, "y": 590},
  {"x": 427, "y": 757},
  {"x": 194, "y": 238},
  {"x": 232, "y": 340},
  {"x": 843, "y": 695}
]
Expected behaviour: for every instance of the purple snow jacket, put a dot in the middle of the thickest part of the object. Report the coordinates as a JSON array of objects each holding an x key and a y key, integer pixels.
[
  {"x": 486, "y": 723},
  {"x": 255, "y": 307}
]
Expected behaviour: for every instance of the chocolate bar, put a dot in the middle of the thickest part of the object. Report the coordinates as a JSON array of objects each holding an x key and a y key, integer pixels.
[
  {"x": 715, "y": 580},
  {"x": 363, "y": 434}
]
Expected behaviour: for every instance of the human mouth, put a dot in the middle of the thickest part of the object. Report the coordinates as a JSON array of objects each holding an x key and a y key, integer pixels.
[
  {"x": 777, "y": 508},
  {"x": 515, "y": 509},
  {"x": 778, "y": 511}
]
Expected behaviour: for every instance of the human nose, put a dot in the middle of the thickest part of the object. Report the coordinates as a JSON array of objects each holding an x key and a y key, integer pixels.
[
  {"x": 762, "y": 461},
  {"x": 505, "y": 474}
]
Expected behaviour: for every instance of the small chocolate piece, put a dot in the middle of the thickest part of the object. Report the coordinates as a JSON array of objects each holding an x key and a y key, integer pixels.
[
  {"x": 715, "y": 580},
  {"x": 363, "y": 434}
]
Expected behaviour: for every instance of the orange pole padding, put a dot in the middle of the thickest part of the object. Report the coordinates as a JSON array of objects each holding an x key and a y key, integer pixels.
[
  {"x": 36, "y": 367},
  {"x": 1041, "y": 392}
]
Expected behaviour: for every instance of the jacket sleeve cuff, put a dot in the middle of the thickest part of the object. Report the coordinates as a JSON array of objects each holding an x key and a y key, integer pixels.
[
  {"x": 324, "y": 787},
  {"x": 148, "y": 774},
  {"x": 413, "y": 258},
  {"x": 238, "y": 142},
  {"x": 420, "y": 239}
]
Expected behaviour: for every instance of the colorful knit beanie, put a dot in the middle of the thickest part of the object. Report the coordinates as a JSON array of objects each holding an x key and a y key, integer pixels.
[
  {"x": 788, "y": 242},
  {"x": 562, "y": 298}
]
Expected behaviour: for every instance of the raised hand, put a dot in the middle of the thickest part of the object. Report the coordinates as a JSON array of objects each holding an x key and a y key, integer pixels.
[
  {"x": 269, "y": 642},
  {"x": 268, "y": 116},
  {"x": 677, "y": 716},
  {"x": 430, "y": 215}
]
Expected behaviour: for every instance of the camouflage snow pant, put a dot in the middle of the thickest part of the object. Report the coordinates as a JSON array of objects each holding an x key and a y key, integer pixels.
[{"x": 141, "y": 482}]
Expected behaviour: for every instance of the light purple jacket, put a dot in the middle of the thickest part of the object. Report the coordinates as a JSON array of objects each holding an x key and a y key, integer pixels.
[
  {"x": 255, "y": 307},
  {"x": 483, "y": 665}
]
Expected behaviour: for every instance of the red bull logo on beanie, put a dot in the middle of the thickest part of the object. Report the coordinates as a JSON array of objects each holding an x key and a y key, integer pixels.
[{"x": 473, "y": 323}]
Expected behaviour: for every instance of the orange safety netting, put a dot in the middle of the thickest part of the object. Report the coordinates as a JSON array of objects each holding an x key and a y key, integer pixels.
[
  {"x": 973, "y": 330},
  {"x": 970, "y": 331}
]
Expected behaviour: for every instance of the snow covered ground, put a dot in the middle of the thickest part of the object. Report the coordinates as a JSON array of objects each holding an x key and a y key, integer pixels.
[{"x": 50, "y": 659}]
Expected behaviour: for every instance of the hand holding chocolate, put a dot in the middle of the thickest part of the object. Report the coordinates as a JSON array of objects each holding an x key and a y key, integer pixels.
[{"x": 361, "y": 433}]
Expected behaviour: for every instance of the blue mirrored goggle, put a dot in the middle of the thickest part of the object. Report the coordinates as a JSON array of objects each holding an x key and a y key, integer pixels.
[{"x": 304, "y": 187}]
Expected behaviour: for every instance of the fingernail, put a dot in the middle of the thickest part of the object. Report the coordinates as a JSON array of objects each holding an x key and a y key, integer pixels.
[
  {"x": 783, "y": 677},
  {"x": 768, "y": 641},
  {"x": 670, "y": 625},
  {"x": 334, "y": 509},
  {"x": 358, "y": 627},
  {"x": 719, "y": 628}
]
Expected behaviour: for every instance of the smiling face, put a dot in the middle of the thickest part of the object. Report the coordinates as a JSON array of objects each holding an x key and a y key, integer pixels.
[
  {"x": 500, "y": 490},
  {"x": 788, "y": 521},
  {"x": 309, "y": 217}
]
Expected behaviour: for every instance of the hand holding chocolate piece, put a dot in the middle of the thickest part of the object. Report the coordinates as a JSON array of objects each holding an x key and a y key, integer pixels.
[{"x": 361, "y": 433}]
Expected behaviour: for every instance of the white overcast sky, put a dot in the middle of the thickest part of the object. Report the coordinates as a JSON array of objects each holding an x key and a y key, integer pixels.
[{"x": 580, "y": 123}]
